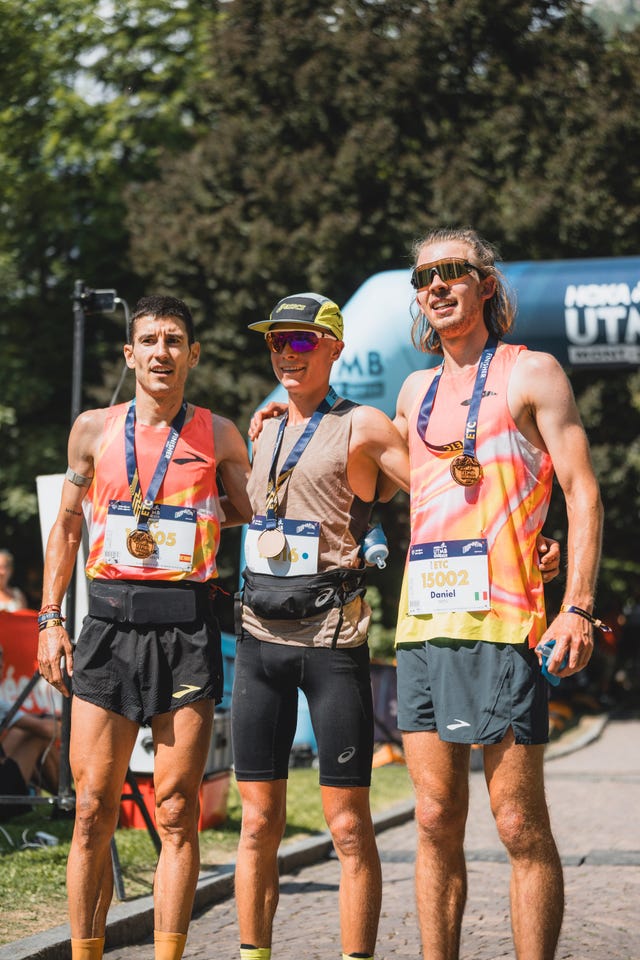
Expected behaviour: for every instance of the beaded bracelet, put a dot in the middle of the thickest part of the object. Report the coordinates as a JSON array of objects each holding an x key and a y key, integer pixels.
[{"x": 569, "y": 608}]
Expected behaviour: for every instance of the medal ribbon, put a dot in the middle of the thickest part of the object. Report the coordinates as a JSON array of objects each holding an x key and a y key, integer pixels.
[
  {"x": 271, "y": 511},
  {"x": 471, "y": 428},
  {"x": 143, "y": 505}
]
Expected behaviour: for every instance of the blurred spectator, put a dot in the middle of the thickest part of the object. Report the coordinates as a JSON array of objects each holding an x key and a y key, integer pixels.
[
  {"x": 627, "y": 676},
  {"x": 10, "y": 597},
  {"x": 601, "y": 669},
  {"x": 29, "y": 755},
  {"x": 32, "y": 584}
]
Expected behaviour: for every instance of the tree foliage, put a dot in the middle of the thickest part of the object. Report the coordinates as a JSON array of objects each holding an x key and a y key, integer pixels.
[{"x": 90, "y": 98}]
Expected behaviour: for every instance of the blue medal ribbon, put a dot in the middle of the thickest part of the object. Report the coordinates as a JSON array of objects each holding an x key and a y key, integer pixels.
[
  {"x": 142, "y": 505},
  {"x": 471, "y": 427},
  {"x": 271, "y": 507}
]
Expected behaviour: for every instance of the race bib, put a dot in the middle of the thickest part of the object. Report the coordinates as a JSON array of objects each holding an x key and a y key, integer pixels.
[
  {"x": 172, "y": 528},
  {"x": 449, "y": 576},
  {"x": 299, "y": 555}
]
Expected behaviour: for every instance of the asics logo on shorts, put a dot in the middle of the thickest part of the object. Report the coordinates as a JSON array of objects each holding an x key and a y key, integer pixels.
[
  {"x": 346, "y": 755},
  {"x": 187, "y": 688},
  {"x": 457, "y": 724}
]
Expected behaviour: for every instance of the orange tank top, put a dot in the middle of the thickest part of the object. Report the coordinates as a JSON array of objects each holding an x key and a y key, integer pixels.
[
  {"x": 187, "y": 530},
  {"x": 507, "y": 509}
]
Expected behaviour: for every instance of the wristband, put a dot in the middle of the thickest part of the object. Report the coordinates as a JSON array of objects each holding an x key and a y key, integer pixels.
[
  {"x": 52, "y": 617},
  {"x": 569, "y": 608},
  {"x": 54, "y": 622},
  {"x": 49, "y": 607}
]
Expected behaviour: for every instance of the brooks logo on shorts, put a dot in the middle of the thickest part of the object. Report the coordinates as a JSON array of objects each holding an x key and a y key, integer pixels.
[
  {"x": 457, "y": 724},
  {"x": 187, "y": 688}
]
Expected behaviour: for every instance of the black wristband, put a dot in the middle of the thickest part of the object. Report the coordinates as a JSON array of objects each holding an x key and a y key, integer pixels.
[{"x": 570, "y": 608}]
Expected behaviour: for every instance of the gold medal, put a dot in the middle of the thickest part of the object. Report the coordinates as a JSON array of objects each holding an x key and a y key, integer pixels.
[
  {"x": 466, "y": 470},
  {"x": 141, "y": 544},
  {"x": 271, "y": 543}
]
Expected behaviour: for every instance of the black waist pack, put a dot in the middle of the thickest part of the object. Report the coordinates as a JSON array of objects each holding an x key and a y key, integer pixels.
[
  {"x": 127, "y": 601},
  {"x": 299, "y": 598}
]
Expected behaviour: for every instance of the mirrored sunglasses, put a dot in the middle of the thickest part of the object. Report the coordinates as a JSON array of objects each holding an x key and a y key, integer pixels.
[
  {"x": 300, "y": 341},
  {"x": 448, "y": 270}
]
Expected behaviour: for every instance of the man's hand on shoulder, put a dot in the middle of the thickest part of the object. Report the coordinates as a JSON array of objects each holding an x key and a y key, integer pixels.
[{"x": 275, "y": 408}]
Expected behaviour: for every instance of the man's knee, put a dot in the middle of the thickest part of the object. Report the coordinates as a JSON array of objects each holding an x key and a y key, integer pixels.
[
  {"x": 351, "y": 831},
  {"x": 441, "y": 821},
  {"x": 96, "y": 815},
  {"x": 176, "y": 812},
  {"x": 262, "y": 826},
  {"x": 523, "y": 832}
]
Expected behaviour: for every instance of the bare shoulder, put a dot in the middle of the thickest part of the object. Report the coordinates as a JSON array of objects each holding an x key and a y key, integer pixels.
[
  {"x": 84, "y": 441},
  {"x": 541, "y": 400},
  {"x": 371, "y": 428},
  {"x": 365, "y": 417},
  {"x": 537, "y": 377},
  {"x": 87, "y": 430},
  {"x": 414, "y": 385},
  {"x": 531, "y": 363}
]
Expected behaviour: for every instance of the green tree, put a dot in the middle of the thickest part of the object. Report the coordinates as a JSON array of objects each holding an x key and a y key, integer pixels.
[{"x": 91, "y": 95}]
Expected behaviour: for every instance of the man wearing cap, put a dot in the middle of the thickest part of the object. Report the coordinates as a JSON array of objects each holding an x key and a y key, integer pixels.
[
  {"x": 145, "y": 474},
  {"x": 304, "y": 621}
]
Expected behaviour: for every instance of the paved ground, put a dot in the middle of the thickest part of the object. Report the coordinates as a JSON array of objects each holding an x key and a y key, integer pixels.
[{"x": 594, "y": 797}]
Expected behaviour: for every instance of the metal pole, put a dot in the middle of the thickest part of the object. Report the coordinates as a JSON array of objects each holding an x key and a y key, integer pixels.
[
  {"x": 78, "y": 349},
  {"x": 66, "y": 798}
]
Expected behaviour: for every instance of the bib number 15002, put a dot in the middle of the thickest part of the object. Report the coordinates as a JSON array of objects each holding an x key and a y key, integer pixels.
[{"x": 445, "y": 578}]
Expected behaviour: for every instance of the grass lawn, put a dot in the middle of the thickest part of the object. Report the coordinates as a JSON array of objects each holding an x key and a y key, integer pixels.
[{"x": 32, "y": 881}]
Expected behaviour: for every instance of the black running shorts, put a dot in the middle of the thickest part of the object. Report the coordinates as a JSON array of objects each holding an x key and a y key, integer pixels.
[
  {"x": 472, "y": 691},
  {"x": 139, "y": 671},
  {"x": 264, "y": 710}
]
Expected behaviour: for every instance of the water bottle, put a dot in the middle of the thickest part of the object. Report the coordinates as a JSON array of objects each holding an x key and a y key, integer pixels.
[
  {"x": 546, "y": 649},
  {"x": 374, "y": 547}
]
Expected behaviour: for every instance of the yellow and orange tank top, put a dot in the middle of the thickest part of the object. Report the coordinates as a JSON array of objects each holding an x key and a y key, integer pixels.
[
  {"x": 190, "y": 482},
  {"x": 507, "y": 508}
]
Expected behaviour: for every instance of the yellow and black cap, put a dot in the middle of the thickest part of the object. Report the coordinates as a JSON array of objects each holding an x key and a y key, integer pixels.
[{"x": 308, "y": 310}]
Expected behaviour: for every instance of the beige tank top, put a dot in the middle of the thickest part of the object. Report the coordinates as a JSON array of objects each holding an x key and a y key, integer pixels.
[{"x": 316, "y": 490}]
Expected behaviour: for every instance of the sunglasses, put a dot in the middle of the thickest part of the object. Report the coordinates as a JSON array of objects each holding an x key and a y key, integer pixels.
[
  {"x": 448, "y": 270},
  {"x": 300, "y": 341}
]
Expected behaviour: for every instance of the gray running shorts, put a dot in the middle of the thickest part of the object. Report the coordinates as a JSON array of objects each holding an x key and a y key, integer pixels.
[{"x": 472, "y": 691}]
